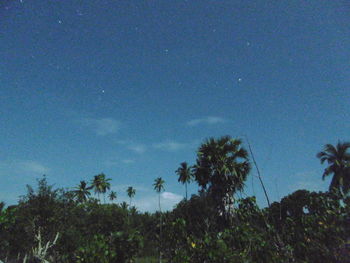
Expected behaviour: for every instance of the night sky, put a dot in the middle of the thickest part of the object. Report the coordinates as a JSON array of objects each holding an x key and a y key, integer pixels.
[{"x": 132, "y": 88}]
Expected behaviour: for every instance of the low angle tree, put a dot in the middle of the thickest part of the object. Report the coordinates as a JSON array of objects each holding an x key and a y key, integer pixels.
[
  {"x": 106, "y": 185},
  {"x": 185, "y": 174},
  {"x": 101, "y": 184},
  {"x": 96, "y": 184},
  {"x": 158, "y": 186},
  {"x": 338, "y": 159},
  {"x": 112, "y": 196},
  {"x": 82, "y": 192},
  {"x": 221, "y": 168},
  {"x": 131, "y": 193}
]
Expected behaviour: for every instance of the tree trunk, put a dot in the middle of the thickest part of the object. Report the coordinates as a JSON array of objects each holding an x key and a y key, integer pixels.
[{"x": 160, "y": 231}]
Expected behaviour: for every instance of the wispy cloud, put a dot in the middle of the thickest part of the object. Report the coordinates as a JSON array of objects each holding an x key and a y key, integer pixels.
[
  {"x": 146, "y": 199},
  {"x": 23, "y": 167},
  {"x": 170, "y": 146},
  {"x": 309, "y": 181},
  {"x": 103, "y": 126},
  {"x": 137, "y": 148},
  {"x": 132, "y": 146},
  {"x": 210, "y": 120},
  {"x": 116, "y": 162},
  {"x": 33, "y": 167},
  {"x": 150, "y": 203},
  {"x": 171, "y": 197}
]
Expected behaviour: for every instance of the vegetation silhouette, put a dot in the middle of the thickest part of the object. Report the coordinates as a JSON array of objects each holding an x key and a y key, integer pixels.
[
  {"x": 158, "y": 186},
  {"x": 71, "y": 225},
  {"x": 338, "y": 159},
  {"x": 185, "y": 174},
  {"x": 131, "y": 193}
]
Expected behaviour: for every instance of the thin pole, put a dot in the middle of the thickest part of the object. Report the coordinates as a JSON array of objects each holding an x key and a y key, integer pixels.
[
  {"x": 160, "y": 230},
  {"x": 257, "y": 169}
]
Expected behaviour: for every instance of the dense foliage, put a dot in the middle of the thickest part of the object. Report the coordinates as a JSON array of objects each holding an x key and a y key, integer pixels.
[{"x": 57, "y": 225}]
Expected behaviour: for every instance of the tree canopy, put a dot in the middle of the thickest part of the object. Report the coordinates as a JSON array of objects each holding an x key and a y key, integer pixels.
[
  {"x": 221, "y": 168},
  {"x": 338, "y": 159},
  {"x": 185, "y": 174},
  {"x": 58, "y": 225}
]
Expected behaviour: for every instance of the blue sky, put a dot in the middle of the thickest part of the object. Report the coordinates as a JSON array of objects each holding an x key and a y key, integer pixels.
[{"x": 131, "y": 89}]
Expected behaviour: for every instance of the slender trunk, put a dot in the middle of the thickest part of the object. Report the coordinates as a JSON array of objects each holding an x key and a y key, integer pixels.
[
  {"x": 186, "y": 190},
  {"x": 259, "y": 176},
  {"x": 160, "y": 230},
  {"x": 280, "y": 246}
]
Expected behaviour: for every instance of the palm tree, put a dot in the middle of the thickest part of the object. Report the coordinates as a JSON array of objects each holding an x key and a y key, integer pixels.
[
  {"x": 158, "y": 186},
  {"x": 185, "y": 175},
  {"x": 96, "y": 184},
  {"x": 338, "y": 159},
  {"x": 106, "y": 185},
  {"x": 131, "y": 193},
  {"x": 101, "y": 184},
  {"x": 124, "y": 205},
  {"x": 221, "y": 169},
  {"x": 112, "y": 196},
  {"x": 81, "y": 192}
]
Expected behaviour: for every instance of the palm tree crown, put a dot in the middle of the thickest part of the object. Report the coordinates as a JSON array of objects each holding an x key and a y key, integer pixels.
[
  {"x": 81, "y": 192},
  {"x": 221, "y": 169},
  {"x": 112, "y": 196},
  {"x": 338, "y": 159},
  {"x": 185, "y": 174},
  {"x": 100, "y": 184},
  {"x": 131, "y": 192},
  {"x": 158, "y": 184}
]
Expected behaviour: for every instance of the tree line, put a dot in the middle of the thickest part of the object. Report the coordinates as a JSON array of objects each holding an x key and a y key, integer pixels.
[{"x": 213, "y": 225}]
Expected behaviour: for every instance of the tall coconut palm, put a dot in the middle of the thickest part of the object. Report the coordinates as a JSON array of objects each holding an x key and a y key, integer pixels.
[
  {"x": 112, "y": 195},
  {"x": 81, "y": 192},
  {"x": 96, "y": 184},
  {"x": 338, "y": 159},
  {"x": 101, "y": 184},
  {"x": 222, "y": 167},
  {"x": 131, "y": 193},
  {"x": 106, "y": 185},
  {"x": 185, "y": 174},
  {"x": 158, "y": 186}
]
